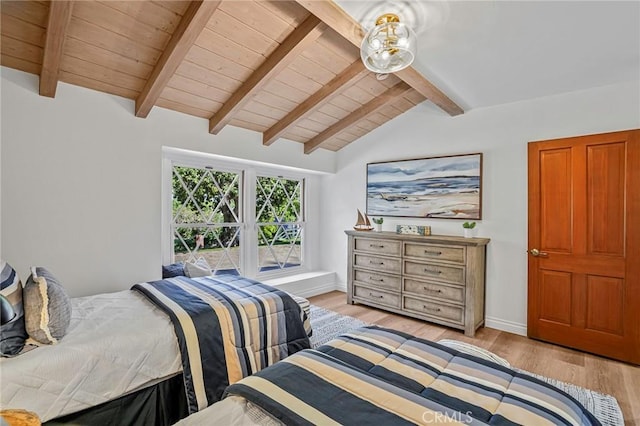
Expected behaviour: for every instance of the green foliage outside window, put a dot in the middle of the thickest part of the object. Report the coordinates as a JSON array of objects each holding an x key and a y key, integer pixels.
[
  {"x": 203, "y": 196},
  {"x": 277, "y": 201}
]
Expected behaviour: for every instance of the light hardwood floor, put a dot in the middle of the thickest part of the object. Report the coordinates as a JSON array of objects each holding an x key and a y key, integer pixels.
[{"x": 586, "y": 370}]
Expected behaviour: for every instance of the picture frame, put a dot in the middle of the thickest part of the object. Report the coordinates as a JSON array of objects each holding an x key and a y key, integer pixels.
[
  {"x": 446, "y": 187},
  {"x": 413, "y": 230}
]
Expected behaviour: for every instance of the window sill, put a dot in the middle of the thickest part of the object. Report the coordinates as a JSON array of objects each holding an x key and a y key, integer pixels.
[{"x": 306, "y": 284}]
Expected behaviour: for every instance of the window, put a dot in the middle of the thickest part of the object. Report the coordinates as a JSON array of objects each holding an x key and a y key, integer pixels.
[
  {"x": 206, "y": 217},
  {"x": 279, "y": 222},
  {"x": 240, "y": 219}
]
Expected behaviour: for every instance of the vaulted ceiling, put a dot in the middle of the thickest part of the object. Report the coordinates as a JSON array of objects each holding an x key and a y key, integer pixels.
[{"x": 287, "y": 69}]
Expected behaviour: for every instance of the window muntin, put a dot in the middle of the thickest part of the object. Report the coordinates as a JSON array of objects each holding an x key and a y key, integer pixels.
[
  {"x": 241, "y": 220},
  {"x": 279, "y": 222},
  {"x": 206, "y": 217}
]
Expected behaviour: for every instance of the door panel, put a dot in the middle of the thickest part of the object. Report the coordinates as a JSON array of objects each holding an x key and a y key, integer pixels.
[
  {"x": 555, "y": 297},
  {"x": 555, "y": 170},
  {"x": 584, "y": 221},
  {"x": 605, "y": 304},
  {"x": 605, "y": 192}
]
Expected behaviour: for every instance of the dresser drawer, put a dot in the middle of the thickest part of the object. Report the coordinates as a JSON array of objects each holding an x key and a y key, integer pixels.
[
  {"x": 378, "y": 246},
  {"x": 376, "y": 296},
  {"x": 435, "y": 252},
  {"x": 450, "y": 293},
  {"x": 375, "y": 279},
  {"x": 449, "y": 313},
  {"x": 382, "y": 264},
  {"x": 452, "y": 274}
]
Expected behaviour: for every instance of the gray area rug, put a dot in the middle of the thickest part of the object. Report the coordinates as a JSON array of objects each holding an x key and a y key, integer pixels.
[
  {"x": 604, "y": 407},
  {"x": 328, "y": 324}
]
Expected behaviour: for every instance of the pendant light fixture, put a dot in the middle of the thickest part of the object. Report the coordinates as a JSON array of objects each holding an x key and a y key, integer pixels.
[{"x": 388, "y": 47}]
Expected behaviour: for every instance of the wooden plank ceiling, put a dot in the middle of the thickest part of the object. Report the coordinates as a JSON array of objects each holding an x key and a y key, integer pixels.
[{"x": 287, "y": 69}]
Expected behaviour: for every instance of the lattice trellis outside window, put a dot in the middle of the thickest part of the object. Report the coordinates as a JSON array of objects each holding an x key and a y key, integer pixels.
[
  {"x": 206, "y": 219},
  {"x": 279, "y": 222}
]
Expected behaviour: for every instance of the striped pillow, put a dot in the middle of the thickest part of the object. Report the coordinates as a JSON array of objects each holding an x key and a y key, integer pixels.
[
  {"x": 47, "y": 307},
  {"x": 470, "y": 349},
  {"x": 12, "y": 330}
]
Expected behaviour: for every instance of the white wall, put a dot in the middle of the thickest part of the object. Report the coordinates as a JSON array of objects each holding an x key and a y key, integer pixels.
[
  {"x": 501, "y": 133},
  {"x": 81, "y": 180}
]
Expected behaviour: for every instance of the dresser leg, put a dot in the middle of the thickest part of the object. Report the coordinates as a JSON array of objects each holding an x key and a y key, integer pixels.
[{"x": 470, "y": 331}]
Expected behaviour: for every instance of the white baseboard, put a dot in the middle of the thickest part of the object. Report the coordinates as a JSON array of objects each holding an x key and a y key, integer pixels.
[
  {"x": 307, "y": 284},
  {"x": 504, "y": 325},
  {"x": 318, "y": 289}
]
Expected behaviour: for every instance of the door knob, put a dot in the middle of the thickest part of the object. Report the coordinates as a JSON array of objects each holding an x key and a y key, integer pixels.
[{"x": 538, "y": 253}]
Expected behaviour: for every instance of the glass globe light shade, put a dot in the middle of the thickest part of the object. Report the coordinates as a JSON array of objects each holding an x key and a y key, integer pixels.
[{"x": 388, "y": 47}]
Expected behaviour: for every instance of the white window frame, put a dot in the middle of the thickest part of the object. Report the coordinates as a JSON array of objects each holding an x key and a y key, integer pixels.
[
  {"x": 240, "y": 224},
  {"x": 249, "y": 170},
  {"x": 270, "y": 172}
]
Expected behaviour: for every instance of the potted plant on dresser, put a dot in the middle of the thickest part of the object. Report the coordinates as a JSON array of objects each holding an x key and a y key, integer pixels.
[{"x": 468, "y": 229}]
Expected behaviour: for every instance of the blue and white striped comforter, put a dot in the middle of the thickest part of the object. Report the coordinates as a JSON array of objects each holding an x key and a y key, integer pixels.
[
  {"x": 228, "y": 327},
  {"x": 385, "y": 377}
]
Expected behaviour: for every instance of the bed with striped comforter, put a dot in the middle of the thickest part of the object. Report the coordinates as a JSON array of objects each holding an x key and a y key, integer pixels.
[
  {"x": 386, "y": 377},
  {"x": 228, "y": 327}
]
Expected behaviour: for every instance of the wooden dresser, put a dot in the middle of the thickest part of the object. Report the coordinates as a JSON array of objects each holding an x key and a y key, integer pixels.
[{"x": 436, "y": 278}]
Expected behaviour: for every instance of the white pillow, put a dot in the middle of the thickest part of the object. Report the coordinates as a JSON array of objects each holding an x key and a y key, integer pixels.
[{"x": 198, "y": 269}]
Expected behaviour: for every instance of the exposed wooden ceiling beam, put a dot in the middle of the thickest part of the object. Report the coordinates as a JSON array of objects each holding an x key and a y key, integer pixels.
[
  {"x": 352, "y": 73},
  {"x": 370, "y": 107},
  {"x": 291, "y": 47},
  {"x": 59, "y": 17},
  {"x": 341, "y": 22},
  {"x": 423, "y": 86},
  {"x": 191, "y": 25}
]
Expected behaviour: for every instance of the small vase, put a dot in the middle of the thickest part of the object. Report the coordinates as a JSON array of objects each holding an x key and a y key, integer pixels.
[
  {"x": 378, "y": 227},
  {"x": 468, "y": 233}
]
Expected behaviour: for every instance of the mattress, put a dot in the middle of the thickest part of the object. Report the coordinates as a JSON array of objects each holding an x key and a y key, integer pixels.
[
  {"x": 117, "y": 343},
  {"x": 231, "y": 411}
]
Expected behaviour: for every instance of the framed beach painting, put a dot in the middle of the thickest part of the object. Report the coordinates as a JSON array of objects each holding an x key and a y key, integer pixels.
[{"x": 437, "y": 187}]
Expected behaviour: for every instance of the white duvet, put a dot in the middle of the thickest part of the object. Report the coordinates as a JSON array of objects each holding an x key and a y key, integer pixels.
[{"x": 117, "y": 343}]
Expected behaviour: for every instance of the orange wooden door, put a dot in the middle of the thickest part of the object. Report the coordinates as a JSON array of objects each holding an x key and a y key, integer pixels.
[{"x": 584, "y": 243}]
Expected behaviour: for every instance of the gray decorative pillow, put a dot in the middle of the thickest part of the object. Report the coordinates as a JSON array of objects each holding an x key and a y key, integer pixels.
[
  {"x": 198, "y": 269},
  {"x": 47, "y": 307},
  {"x": 12, "y": 330}
]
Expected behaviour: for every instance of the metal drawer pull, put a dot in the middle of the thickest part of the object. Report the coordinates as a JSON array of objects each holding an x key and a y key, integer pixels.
[
  {"x": 432, "y": 253},
  {"x": 431, "y": 290},
  {"x": 378, "y": 296},
  {"x": 380, "y": 280},
  {"x": 429, "y": 308},
  {"x": 376, "y": 245},
  {"x": 432, "y": 271},
  {"x": 375, "y": 263}
]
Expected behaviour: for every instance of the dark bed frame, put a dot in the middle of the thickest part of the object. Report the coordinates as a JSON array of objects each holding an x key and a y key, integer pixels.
[{"x": 162, "y": 404}]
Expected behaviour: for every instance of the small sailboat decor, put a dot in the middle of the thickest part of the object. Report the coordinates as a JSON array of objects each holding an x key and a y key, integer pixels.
[{"x": 363, "y": 223}]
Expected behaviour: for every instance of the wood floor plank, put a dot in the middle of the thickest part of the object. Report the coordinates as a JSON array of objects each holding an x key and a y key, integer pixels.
[{"x": 590, "y": 371}]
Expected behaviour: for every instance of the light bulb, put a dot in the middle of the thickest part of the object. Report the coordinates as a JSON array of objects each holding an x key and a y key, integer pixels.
[{"x": 388, "y": 47}]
